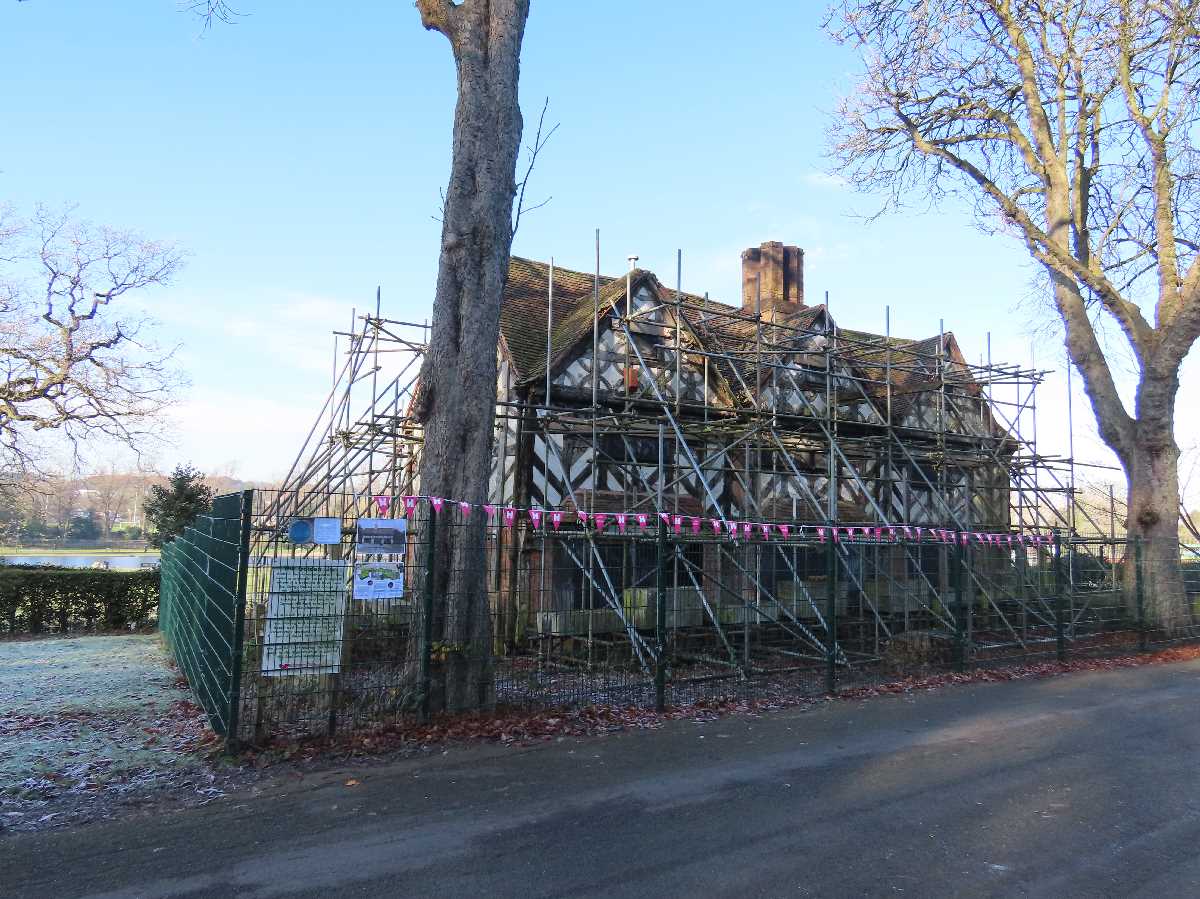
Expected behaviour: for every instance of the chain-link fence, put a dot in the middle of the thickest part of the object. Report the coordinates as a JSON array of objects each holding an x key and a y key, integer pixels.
[{"x": 351, "y": 623}]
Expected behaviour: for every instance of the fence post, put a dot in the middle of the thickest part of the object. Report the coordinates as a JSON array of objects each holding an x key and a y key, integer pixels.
[
  {"x": 831, "y": 618},
  {"x": 660, "y": 619},
  {"x": 1060, "y": 635},
  {"x": 1140, "y": 593},
  {"x": 239, "y": 620},
  {"x": 958, "y": 558},
  {"x": 427, "y": 611}
]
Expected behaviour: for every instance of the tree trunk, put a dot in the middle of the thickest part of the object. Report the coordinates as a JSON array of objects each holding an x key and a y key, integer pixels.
[
  {"x": 1153, "y": 476},
  {"x": 457, "y": 394}
]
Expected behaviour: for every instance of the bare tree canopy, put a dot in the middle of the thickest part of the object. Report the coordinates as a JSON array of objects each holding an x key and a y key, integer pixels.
[
  {"x": 75, "y": 363},
  {"x": 1072, "y": 125}
]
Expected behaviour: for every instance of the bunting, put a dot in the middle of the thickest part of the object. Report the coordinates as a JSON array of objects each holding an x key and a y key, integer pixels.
[{"x": 852, "y": 533}]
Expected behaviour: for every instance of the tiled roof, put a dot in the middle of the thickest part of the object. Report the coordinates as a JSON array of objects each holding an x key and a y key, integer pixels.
[
  {"x": 720, "y": 329},
  {"x": 523, "y": 312}
]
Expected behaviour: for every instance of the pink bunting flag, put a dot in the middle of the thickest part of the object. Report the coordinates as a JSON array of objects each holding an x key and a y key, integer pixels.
[
  {"x": 820, "y": 535},
  {"x": 621, "y": 518},
  {"x": 676, "y": 523},
  {"x": 747, "y": 528},
  {"x": 383, "y": 503},
  {"x": 879, "y": 534},
  {"x": 556, "y": 518},
  {"x": 908, "y": 533},
  {"x": 834, "y": 532},
  {"x": 766, "y": 531},
  {"x": 600, "y": 518},
  {"x": 716, "y": 525},
  {"x": 783, "y": 529},
  {"x": 410, "y": 503},
  {"x": 491, "y": 512},
  {"x": 535, "y": 515},
  {"x": 731, "y": 526},
  {"x": 892, "y": 534},
  {"x": 965, "y": 537},
  {"x": 978, "y": 537},
  {"x": 437, "y": 503},
  {"x": 510, "y": 515},
  {"x": 582, "y": 516},
  {"x": 643, "y": 519},
  {"x": 465, "y": 509},
  {"x": 695, "y": 525}
]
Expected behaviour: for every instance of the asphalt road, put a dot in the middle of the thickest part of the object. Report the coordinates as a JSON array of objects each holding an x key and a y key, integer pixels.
[{"x": 1085, "y": 785}]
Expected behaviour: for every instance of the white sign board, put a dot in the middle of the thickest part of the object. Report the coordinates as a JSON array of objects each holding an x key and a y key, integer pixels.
[
  {"x": 306, "y": 615},
  {"x": 327, "y": 530},
  {"x": 378, "y": 580}
]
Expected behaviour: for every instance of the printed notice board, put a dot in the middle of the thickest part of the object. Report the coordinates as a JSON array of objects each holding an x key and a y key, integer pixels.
[
  {"x": 379, "y": 580},
  {"x": 306, "y": 615}
]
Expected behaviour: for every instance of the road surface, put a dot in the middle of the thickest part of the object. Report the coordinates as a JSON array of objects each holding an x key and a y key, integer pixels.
[{"x": 1084, "y": 785}]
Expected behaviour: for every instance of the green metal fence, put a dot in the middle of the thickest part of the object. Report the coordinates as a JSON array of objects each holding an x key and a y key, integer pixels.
[
  {"x": 202, "y": 605},
  {"x": 283, "y": 640}
]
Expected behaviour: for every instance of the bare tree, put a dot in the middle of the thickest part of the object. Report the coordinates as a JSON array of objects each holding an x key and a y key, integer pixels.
[
  {"x": 210, "y": 11},
  {"x": 73, "y": 364},
  {"x": 58, "y": 495},
  {"x": 1071, "y": 124},
  {"x": 110, "y": 491},
  {"x": 457, "y": 404}
]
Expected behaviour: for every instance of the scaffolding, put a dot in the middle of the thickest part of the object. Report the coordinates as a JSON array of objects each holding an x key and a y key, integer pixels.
[{"x": 670, "y": 403}]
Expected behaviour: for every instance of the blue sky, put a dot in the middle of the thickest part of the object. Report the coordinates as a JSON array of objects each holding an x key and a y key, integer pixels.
[{"x": 297, "y": 156}]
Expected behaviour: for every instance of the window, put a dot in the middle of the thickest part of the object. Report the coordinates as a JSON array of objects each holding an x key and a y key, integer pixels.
[
  {"x": 625, "y": 564},
  {"x": 639, "y": 450},
  {"x": 924, "y": 559}
]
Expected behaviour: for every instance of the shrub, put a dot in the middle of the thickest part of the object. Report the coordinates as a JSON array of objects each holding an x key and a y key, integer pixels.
[
  {"x": 83, "y": 527},
  {"x": 35, "y": 599}
]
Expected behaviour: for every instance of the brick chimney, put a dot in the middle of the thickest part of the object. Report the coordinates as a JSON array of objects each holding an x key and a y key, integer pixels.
[{"x": 778, "y": 272}]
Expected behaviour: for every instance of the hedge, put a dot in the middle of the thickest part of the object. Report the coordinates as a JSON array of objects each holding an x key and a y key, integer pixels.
[{"x": 37, "y": 599}]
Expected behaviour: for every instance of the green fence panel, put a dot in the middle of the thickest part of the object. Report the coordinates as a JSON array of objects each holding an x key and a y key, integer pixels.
[{"x": 202, "y": 606}]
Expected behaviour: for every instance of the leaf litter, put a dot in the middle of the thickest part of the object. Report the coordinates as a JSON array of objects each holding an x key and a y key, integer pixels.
[
  {"x": 527, "y": 727},
  {"x": 91, "y": 728}
]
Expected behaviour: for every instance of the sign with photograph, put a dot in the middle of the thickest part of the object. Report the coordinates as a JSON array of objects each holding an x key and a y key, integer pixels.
[
  {"x": 378, "y": 580},
  {"x": 383, "y": 536},
  {"x": 306, "y": 614}
]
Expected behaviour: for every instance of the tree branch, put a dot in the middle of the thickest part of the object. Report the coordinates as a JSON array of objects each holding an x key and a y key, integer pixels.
[
  {"x": 440, "y": 15},
  {"x": 533, "y": 150}
]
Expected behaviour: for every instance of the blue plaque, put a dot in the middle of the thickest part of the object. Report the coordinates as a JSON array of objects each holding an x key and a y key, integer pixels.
[{"x": 301, "y": 530}]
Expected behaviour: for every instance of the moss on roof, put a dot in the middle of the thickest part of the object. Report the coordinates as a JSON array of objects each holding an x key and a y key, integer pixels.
[{"x": 718, "y": 327}]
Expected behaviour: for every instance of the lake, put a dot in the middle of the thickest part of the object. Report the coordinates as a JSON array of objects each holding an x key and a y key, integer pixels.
[{"x": 84, "y": 560}]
